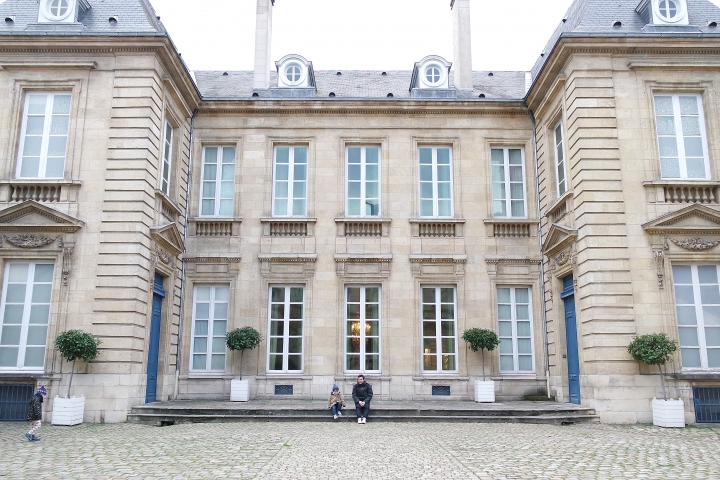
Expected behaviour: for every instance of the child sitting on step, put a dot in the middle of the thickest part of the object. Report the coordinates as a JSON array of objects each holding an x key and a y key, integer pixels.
[{"x": 336, "y": 402}]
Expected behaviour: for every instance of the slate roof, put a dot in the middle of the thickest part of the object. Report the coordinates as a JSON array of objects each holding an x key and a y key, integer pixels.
[
  {"x": 596, "y": 17},
  {"x": 134, "y": 17},
  {"x": 360, "y": 84}
]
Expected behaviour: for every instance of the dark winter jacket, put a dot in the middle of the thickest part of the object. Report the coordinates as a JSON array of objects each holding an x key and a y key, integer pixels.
[
  {"x": 35, "y": 410},
  {"x": 362, "y": 392}
]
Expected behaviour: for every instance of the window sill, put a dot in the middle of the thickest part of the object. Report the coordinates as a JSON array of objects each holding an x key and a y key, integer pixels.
[
  {"x": 209, "y": 376},
  {"x": 517, "y": 376},
  {"x": 283, "y": 376},
  {"x": 40, "y": 190},
  {"x": 28, "y": 374},
  {"x": 440, "y": 376},
  {"x": 363, "y": 226},
  {"x": 704, "y": 375},
  {"x": 215, "y": 226},
  {"x": 368, "y": 376},
  {"x": 683, "y": 191},
  {"x": 511, "y": 227},
  {"x": 559, "y": 208},
  {"x": 167, "y": 208}
]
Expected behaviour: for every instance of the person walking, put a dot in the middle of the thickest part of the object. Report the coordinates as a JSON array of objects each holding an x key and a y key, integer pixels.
[
  {"x": 34, "y": 415},
  {"x": 336, "y": 402},
  {"x": 362, "y": 393}
]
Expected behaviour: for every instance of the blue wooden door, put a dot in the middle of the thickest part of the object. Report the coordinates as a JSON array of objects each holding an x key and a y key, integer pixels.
[
  {"x": 571, "y": 335},
  {"x": 154, "y": 343}
]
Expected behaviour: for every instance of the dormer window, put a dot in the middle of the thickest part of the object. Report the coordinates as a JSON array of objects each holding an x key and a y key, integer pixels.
[
  {"x": 668, "y": 10},
  {"x": 664, "y": 12},
  {"x": 295, "y": 72},
  {"x": 433, "y": 75},
  {"x": 58, "y": 9},
  {"x": 61, "y": 11}
]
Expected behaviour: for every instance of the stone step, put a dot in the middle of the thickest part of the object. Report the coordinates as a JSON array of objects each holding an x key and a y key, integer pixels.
[{"x": 167, "y": 419}]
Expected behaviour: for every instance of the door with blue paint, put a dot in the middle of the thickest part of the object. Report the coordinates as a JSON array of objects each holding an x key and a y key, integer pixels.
[
  {"x": 571, "y": 336},
  {"x": 154, "y": 342}
]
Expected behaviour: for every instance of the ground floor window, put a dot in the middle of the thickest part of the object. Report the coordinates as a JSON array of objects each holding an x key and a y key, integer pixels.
[
  {"x": 439, "y": 329},
  {"x": 26, "y": 294},
  {"x": 515, "y": 325},
  {"x": 362, "y": 329},
  {"x": 210, "y": 316},
  {"x": 697, "y": 302},
  {"x": 285, "y": 338}
]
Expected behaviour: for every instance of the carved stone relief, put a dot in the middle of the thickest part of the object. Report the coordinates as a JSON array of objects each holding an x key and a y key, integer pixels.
[
  {"x": 696, "y": 243},
  {"x": 659, "y": 256},
  {"x": 31, "y": 240}
]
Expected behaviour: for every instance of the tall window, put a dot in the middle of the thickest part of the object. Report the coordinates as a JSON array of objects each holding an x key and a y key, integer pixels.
[
  {"x": 561, "y": 171},
  {"x": 697, "y": 300},
  {"x": 210, "y": 316},
  {"x": 218, "y": 181},
  {"x": 290, "y": 186},
  {"x": 439, "y": 327},
  {"x": 516, "y": 340},
  {"x": 27, "y": 289},
  {"x": 285, "y": 340},
  {"x": 44, "y": 135},
  {"x": 508, "y": 187},
  {"x": 167, "y": 159},
  {"x": 362, "y": 317},
  {"x": 681, "y": 137},
  {"x": 436, "y": 182},
  {"x": 363, "y": 181}
]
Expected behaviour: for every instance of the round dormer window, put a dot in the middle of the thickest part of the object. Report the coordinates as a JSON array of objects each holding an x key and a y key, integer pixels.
[
  {"x": 433, "y": 76},
  {"x": 57, "y": 9},
  {"x": 293, "y": 74},
  {"x": 670, "y": 10}
]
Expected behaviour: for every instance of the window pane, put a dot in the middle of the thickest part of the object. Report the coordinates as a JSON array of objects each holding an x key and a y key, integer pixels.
[
  {"x": 200, "y": 345},
  {"x": 296, "y": 311},
  {"x": 504, "y": 312},
  {"x": 688, "y": 105},
  {"x": 353, "y": 362},
  {"x": 524, "y": 345},
  {"x": 523, "y": 329},
  {"x": 34, "y": 356},
  {"x": 282, "y": 154},
  {"x": 354, "y": 154},
  {"x": 506, "y": 345},
  {"x": 688, "y": 337},
  {"x": 506, "y": 329},
  {"x": 295, "y": 345},
  {"x": 294, "y": 362},
  {"x": 277, "y": 328},
  {"x": 670, "y": 168},
  {"x": 16, "y": 293},
  {"x": 295, "y": 328},
  {"x": 448, "y": 345},
  {"x": 217, "y": 362},
  {"x": 37, "y": 335},
  {"x": 429, "y": 329},
  {"x": 277, "y": 311},
  {"x": 299, "y": 207},
  {"x": 61, "y": 104},
  {"x": 709, "y": 294},
  {"x": 41, "y": 293},
  {"x": 372, "y": 312},
  {"x": 712, "y": 337},
  {"x": 372, "y": 345},
  {"x": 668, "y": 146},
  {"x": 372, "y": 362},
  {"x": 430, "y": 362},
  {"x": 36, "y": 104},
  {"x": 713, "y": 355},
  {"x": 447, "y": 329},
  {"x": 691, "y": 126},
  {"x": 372, "y": 294},
  {"x": 444, "y": 208},
  {"x": 706, "y": 274},
  {"x": 201, "y": 327},
  {"x": 690, "y": 357},
  {"x": 428, "y": 295},
  {"x": 447, "y": 312},
  {"x": 219, "y": 327},
  {"x": 682, "y": 274},
  {"x": 353, "y": 345},
  {"x": 663, "y": 105},
  {"x": 665, "y": 125},
  {"x": 276, "y": 345},
  {"x": 693, "y": 147},
  {"x": 684, "y": 295},
  {"x": 32, "y": 146},
  {"x": 299, "y": 172},
  {"x": 497, "y": 157},
  {"x": 525, "y": 363},
  {"x": 371, "y": 173},
  {"x": 30, "y": 167},
  {"x": 300, "y": 154},
  {"x": 14, "y": 313},
  {"x": 711, "y": 316},
  {"x": 429, "y": 312},
  {"x": 43, "y": 273},
  {"x": 202, "y": 310},
  {"x": 429, "y": 345},
  {"x": 443, "y": 156},
  {"x": 426, "y": 208},
  {"x": 522, "y": 312},
  {"x": 277, "y": 295},
  {"x": 276, "y": 362},
  {"x": 506, "y": 363},
  {"x": 35, "y": 125},
  {"x": 218, "y": 345},
  {"x": 10, "y": 335},
  {"x": 372, "y": 328},
  {"x": 296, "y": 294},
  {"x": 448, "y": 362},
  {"x": 426, "y": 155},
  {"x": 696, "y": 168}
]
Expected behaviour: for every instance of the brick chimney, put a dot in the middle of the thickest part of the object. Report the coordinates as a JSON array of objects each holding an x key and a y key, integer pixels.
[
  {"x": 462, "y": 44},
  {"x": 263, "y": 40}
]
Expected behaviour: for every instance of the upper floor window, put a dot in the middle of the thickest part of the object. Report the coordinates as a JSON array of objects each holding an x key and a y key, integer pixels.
[
  {"x": 210, "y": 316},
  {"x": 681, "y": 136},
  {"x": 697, "y": 300},
  {"x": 508, "y": 182},
  {"x": 515, "y": 326},
  {"x": 166, "y": 159},
  {"x": 25, "y": 310},
  {"x": 218, "y": 182},
  {"x": 561, "y": 170},
  {"x": 363, "y": 181},
  {"x": 44, "y": 134},
  {"x": 290, "y": 181},
  {"x": 436, "y": 184}
]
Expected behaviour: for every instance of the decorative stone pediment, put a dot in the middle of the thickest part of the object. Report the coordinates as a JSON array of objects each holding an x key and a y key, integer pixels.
[
  {"x": 366, "y": 266},
  {"x": 691, "y": 220},
  {"x": 33, "y": 217},
  {"x": 559, "y": 238},
  {"x": 168, "y": 237}
]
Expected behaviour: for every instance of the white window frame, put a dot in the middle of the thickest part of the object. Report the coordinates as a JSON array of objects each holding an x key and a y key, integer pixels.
[
  {"x": 506, "y": 167},
  {"x": 291, "y": 180},
  {"x": 699, "y": 316},
  {"x": 363, "y": 180},
  {"x": 167, "y": 152},
  {"x": 435, "y": 183},
  {"x": 25, "y": 322},
  {"x": 218, "y": 181},
  {"x": 515, "y": 338},
  {"x": 561, "y": 186},
  {"x": 363, "y": 329},
  {"x": 49, "y": 103},
  {"x": 47, "y": 10},
  {"x": 438, "y": 330},
  {"x": 286, "y": 329},
  {"x": 211, "y": 334},
  {"x": 680, "y": 137}
]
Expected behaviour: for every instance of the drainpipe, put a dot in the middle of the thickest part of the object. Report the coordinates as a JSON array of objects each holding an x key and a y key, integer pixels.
[
  {"x": 542, "y": 260},
  {"x": 188, "y": 188}
]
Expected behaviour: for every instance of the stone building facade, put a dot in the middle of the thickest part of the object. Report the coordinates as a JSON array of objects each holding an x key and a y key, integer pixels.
[{"x": 360, "y": 220}]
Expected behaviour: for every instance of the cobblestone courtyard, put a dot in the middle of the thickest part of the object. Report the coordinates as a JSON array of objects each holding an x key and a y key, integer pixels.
[{"x": 351, "y": 451}]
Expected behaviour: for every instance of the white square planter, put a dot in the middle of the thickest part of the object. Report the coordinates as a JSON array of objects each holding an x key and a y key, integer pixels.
[
  {"x": 239, "y": 390},
  {"x": 668, "y": 413},
  {"x": 68, "y": 411},
  {"x": 484, "y": 391}
]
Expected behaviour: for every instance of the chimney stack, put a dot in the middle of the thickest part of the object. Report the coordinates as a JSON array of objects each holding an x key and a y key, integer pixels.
[
  {"x": 461, "y": 44},
  {"x": 263, "y": 40}
]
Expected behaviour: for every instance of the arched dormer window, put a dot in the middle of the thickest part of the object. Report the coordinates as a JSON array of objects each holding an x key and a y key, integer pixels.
[
  {"x": 61, "y": 11},
  {"x": 669, "y": 12},
  {"x": 294, "y": 71},
  {"x": 432, "y": 72}
]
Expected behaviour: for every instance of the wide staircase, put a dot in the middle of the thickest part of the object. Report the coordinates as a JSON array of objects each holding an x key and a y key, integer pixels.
[{"x": 301, "y": 410}]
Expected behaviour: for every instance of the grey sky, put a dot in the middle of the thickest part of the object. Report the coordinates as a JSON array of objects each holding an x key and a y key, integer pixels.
[{"x": 360, "y": 34}]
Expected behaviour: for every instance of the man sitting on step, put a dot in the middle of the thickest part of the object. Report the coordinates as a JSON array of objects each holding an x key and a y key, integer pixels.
[{"x": 362, "y": 393}]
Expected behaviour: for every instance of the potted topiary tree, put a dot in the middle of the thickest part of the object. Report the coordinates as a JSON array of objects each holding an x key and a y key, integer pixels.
[
  {"x": 482, "y": 339},
  {"x": 657, "y": 349},
  {"x": 73, "y": 345},
  {"x": 245, "y": 338}
]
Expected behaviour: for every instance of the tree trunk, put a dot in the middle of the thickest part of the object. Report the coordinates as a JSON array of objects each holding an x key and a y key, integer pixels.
[
  {"x": 72, "y": 372},
  {"x": 482, "y": 354},
  {"x": 241, "y": 355},
  {"x": 662, "y": 382}
]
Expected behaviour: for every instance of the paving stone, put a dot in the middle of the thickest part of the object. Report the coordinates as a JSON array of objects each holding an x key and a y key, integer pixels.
[{"x": 336, "y": 450}]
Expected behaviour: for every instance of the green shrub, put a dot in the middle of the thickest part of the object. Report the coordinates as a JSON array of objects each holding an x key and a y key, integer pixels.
[
  {"x": 245, "y": 338},
  {"x": 76, "y": 345},
  {"x": 481, "y": 339},
  {"x": 653, "y": 349}
]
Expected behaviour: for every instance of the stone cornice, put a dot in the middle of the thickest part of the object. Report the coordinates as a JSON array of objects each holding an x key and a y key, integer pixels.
[
  {"x": 438, "y": 259},
  {"x": 513, "y": 261},
  {"x": 299, "y": 258},
  {"x": 212, "y": 259},
  {"x": 47, "y": 65}
]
